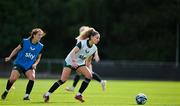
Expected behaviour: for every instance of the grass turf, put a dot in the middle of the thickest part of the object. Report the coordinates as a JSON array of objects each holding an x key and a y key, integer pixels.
[{"x": 118, "y": 93}]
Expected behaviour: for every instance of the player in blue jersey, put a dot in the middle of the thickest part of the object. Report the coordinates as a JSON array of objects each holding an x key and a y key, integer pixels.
[
  {"x": 95, "y": 76},
  {"x": 75, "y": 60},
  {"x": 29, "y": 53}
]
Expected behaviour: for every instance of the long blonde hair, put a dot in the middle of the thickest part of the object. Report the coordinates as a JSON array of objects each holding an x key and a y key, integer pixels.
[{"x": 85, "y": 32}]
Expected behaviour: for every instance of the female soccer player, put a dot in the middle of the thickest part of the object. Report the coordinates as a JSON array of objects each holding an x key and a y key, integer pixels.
[
  {"x": 76, "y": 61},
  {"x": 29, "y": 53},
  {"x": 95, "y": 76}
]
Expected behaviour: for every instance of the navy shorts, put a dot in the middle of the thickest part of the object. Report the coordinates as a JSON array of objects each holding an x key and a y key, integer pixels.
[{"x": 19, "y": 69}]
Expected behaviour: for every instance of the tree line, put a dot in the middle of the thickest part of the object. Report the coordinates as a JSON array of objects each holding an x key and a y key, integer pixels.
[{"x": 130, "y": 29}]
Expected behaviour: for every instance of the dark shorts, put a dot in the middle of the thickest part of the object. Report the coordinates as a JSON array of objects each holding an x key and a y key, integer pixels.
[
  {"x": 72, "y": 68},
  {"x": 19, "y": 69}
]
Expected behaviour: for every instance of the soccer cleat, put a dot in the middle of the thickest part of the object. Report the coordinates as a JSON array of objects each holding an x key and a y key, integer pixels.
[
  {"x": 103, "y": 84},
  {"x": 70, "y": 88},
  {"x": 46, "y": 98},
  {"x": 80, "y": 98},
  {"x": 3, "y": 96},
  {"x": 26, "y": 98}
]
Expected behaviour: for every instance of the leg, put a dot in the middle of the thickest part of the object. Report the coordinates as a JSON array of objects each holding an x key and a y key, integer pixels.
[
  {"x": 96, "y": 77},
  {"x": 86, "y": 72},
  {"x": 75, "y": 81},
  {"x": 13, "y": 77},
  {"x": 65, "y": 75},
  {"x": 30, "y": 74}
]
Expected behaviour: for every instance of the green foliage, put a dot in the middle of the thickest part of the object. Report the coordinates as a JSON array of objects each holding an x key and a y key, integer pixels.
[{"x": 132, "y": 29}]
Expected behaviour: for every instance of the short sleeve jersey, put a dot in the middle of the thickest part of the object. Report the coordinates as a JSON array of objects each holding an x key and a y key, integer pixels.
[{"x": 84, "y": 52}]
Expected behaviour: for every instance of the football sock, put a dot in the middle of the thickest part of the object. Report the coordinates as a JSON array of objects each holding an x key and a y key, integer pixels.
[
  {"x": 76, "y": 80},
  {"x": 96, "y": 77},
  {"x": 84, "y": 85},
  {"x": 8, "y": 85},
  {"x": 29, "y": 86},
  {"x": 55, "y": 86}
]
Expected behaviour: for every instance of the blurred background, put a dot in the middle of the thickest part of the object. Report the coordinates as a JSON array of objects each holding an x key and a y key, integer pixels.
[{"x": 139, "y": 38}]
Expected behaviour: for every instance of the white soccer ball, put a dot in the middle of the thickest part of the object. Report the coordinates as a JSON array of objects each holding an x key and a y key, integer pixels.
[{"x": 141, "y": 99}]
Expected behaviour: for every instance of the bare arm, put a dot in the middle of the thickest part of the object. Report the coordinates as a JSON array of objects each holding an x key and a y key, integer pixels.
[
  {"x": 96, "y": 56},
  {"x": 37, "y": 61},
  {"x": 73, "y": 55},
  {"x": 13, "y": 53}
]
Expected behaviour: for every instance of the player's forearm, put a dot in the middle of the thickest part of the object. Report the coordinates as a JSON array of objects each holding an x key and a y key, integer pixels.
[
  {"x": 38, "y": 60},
  {"x": 73, "y": 54},
  {"x": 73, "y": 59},
  {"x": 13, "y": 53}
]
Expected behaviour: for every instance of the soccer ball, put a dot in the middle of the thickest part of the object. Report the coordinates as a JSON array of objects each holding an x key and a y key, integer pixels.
[{"x": 141, "y": 99}]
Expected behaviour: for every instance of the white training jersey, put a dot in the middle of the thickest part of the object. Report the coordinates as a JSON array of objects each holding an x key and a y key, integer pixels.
[{"x": 84, "y": 52}]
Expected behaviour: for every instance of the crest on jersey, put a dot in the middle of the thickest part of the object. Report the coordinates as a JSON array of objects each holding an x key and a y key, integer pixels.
[
  {"x": 86, "y": 51},
  {"x": 32, "y": 48}
]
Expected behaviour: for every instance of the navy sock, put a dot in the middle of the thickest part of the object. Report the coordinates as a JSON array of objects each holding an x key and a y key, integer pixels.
[
  {"x": 84, "y": 85},
  {"x": 55, "y": 86},
  {"x": 9, "y": 85},
  {"x": 29, "y": 86},
  {"x": 76, "y": 80},
  {"x": 96, "y": 77}
]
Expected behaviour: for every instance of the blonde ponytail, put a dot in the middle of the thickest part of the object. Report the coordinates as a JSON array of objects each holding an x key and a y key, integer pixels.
[{"x": 84, "y": 34}]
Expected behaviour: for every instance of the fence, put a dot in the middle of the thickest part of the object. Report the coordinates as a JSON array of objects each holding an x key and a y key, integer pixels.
[{"x": 51, "y": 68}]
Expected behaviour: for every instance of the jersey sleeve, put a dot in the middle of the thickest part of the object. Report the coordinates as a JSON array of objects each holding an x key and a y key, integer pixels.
[{"x": 79, "y": 45}]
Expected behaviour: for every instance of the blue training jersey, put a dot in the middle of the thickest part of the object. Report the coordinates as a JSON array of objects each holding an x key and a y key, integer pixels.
[{"x": 27, "y": 56}]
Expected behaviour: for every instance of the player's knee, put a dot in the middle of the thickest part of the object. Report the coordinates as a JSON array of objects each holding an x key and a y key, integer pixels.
[
  {"x": 12, "y": 79},
  {"x": 89, "y": 76}
]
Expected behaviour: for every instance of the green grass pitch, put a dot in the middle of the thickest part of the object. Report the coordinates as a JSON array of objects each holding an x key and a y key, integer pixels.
[{"x": 118, "y": 93}]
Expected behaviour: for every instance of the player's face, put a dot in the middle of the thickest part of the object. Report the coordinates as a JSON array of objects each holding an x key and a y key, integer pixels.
[
  {"x": 38, "y": 36},
  {"x": 95, "y": 39}
]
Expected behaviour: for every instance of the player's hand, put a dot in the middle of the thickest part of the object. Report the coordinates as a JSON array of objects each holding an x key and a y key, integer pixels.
[
  {"x": 34, "y": 66},
  {"x": 74, "y": 65},
  {"x": 7, "y": 59}
]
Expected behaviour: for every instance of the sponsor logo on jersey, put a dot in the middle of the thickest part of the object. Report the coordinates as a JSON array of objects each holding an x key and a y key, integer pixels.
[{"x": 29, "y": 55}]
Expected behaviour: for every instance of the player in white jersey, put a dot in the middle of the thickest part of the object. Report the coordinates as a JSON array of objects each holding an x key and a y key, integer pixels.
[
  {"x": 76, "y": 61},
  {"x": 95, "y": 76}
]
